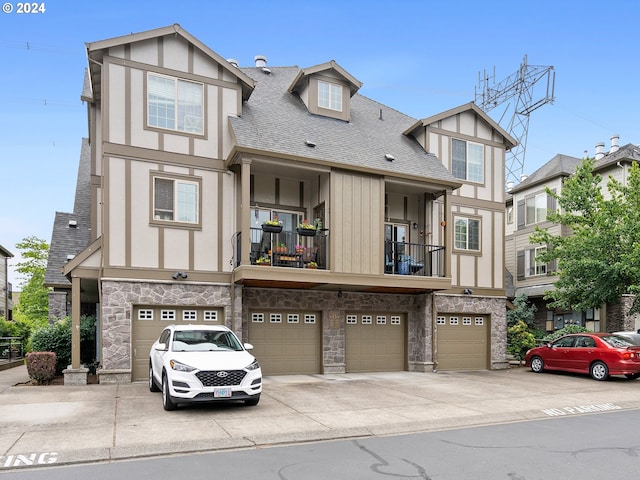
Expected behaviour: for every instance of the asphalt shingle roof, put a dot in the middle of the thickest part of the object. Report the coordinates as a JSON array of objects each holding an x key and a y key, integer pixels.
[
  {"x": 560, "y": 165},
  {"x": 65, "y": 239},
  {"x": 278, "y": 122}
]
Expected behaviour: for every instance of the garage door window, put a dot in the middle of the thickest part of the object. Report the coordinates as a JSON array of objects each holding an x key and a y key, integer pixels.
[
  {"x": 210, "y": 316},
  {"x": 395, "y": 320},
  {"x": 257, "y": 318},
  {"x": 479, "y": 321},
  {"x": 366, "y": 320},
  {"x": 441, "y": 321},
  {"x": 453, "y": 321},
  {"x": 275, "y": 318},
  {"x": 466, "y": 320},
  {"x": 381, "y": 320},
  {"x": 293, "y": 318},
  {"x": 145, "y": 314},
  {"x": 169, "y": 315},
  {"x": 189, "y": 315},
  {"x": 310, "y": 318}
]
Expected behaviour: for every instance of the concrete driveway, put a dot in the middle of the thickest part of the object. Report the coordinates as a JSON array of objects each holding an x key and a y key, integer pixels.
[{"x": 62, "y": 424}]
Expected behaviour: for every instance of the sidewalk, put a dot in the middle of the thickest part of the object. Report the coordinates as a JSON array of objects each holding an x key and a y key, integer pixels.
[{"x": 65, "y": 424}]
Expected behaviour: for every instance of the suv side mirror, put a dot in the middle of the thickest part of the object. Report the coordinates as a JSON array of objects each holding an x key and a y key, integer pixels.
[{"x": 248, "y": 346}]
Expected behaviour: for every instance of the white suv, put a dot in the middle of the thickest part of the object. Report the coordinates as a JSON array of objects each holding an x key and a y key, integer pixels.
[{"x": 203, "y": 363}]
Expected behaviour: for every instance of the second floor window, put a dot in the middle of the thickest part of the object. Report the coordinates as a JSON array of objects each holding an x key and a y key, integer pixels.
[
  {"x": 536, "y": 209},
  {"x": 467, "y": 160},
  {"x": 467, "y": 234},
  {"x": 175, "y": 200},
  {"x": 330, "y": 96},
  {"x": 174, "y": 104},
  {"x": 540, "y": 268}
]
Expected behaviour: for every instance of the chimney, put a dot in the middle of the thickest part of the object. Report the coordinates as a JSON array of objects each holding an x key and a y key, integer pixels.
[
  {"x": 599, "y": 150},
  {"x": 510, "y": 185},
  {"x": 614, "y": 143},
  {"x": 261, "y": 61},
  {"x": 233, "y": 62}
]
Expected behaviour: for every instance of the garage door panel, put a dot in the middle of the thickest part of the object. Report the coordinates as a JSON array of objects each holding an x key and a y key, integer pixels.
[
  {"x": 374, "y": 344},
  {"x": 286, "y": 347},
  {"x": 463, "y": 342}
]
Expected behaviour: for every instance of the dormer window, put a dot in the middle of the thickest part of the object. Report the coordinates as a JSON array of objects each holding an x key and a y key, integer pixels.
[{"x": 330, "y": 96}]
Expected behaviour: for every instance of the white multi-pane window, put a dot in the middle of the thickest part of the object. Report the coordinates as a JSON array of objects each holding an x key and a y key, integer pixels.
[
  {"x": 210, "y": 316},
  {"x": 367, "y": 320},
  {"x": 175, "y": 200},
  {"x": 257, "y": 317},
  {"x": 275, "y": 318},
  {"x": 540, "y": 268},
  {"x": 145, "y": 314},
  {"x": 330, "y": 96},
  {"x": 169, "y": 315},
  {"x": 395, "y": 320},
  {"x": 310, "y": 318},
  {"x": 189, "y": 315},
  {"x": 466, "y": 320},
  {"x": 352, "y": 319},
  {"x": 536, "y": 209},
  {"x": 293, "y": 318},
  {"x": 381, "y": 320},
  {"x": 174, "y": 104},
  {"x": 479, "y": 321},
  {"x": 466, "y": 233},
  {"x": 441, "y": 321},
  {"x": 453, "y": 321},
  {"x": 467, "y": 160}
]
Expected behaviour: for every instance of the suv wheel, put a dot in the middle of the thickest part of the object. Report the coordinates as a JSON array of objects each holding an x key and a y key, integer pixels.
[
  {"x": 167, "y": 401},
  {"x": 152, "y": 383}
]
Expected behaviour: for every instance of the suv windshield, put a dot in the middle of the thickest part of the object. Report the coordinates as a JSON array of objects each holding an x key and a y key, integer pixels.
[{"x": 204, "y": 341}]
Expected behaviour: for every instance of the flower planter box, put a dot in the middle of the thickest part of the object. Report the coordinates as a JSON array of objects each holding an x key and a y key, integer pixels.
[
  {"x": 271, "y": 228},
  {"x": 306, "y": 232}
]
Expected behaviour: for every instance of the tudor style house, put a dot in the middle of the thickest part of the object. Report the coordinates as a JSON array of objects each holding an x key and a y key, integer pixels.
[
  {"x": 332, "y": 232},
  {"x": 527, "y": 206}
]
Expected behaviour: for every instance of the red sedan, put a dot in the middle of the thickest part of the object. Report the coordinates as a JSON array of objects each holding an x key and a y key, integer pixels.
[{"x": 598, "y": 354}]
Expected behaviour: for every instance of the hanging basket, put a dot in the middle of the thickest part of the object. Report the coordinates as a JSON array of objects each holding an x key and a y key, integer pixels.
[
  {"x": 306, "y": 232},
  {"x": 271, "y": 228}
]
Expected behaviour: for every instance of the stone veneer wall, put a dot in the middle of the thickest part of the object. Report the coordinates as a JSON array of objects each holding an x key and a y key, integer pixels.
[
  {"x": 618, "y": 318},
  {"x": 58, "y": 306},
  {"x": 495, "y": 307},
  {"x": 334, "y": 310},
  {"x": 119, "y": 297}
]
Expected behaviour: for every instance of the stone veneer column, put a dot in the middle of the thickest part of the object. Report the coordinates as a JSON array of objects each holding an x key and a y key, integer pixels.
[
  {"x": 118, "y": 299},
  {"x": 495, "y": 307}
]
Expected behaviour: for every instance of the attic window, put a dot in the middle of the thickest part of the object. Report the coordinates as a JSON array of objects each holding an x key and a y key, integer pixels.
[
  {"x": 330, "y": 96},
  {"x": 73, "y": 224}
]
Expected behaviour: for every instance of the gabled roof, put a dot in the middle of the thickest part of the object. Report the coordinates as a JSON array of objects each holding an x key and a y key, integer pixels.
[
  {"x": 558, "y": 166},
  {"x": 303, "y": 74},
  {"x": 5, "y": 252},
  {"x": 95, "y": 53},
  {"x": 628, "y": 152},
  {"x": 509, "y": 141},
  {"x": 277, "y": 122},
  {"x": 71, "y": 231}
]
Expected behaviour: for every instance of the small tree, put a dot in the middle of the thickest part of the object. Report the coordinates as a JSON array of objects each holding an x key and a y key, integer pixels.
[
  {"x": 522, "y": 311},
  {"x": 33, "y": 306},
  {"x": 519, "y": 340}
]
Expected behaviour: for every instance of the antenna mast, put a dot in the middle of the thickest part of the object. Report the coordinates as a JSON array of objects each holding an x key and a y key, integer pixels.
[{"x": 518, "y": 90}]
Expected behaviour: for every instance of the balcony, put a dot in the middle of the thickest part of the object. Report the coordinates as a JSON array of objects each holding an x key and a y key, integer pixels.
[
  {"x": 418, "y": 259},
  {"x": 288, "y": 249}
]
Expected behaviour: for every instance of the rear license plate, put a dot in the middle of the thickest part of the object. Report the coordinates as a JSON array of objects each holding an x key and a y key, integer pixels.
[{"x": 222, "y": 392}]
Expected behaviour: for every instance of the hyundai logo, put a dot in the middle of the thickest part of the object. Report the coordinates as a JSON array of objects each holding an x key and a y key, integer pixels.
[{"x": 222, "y": 374}]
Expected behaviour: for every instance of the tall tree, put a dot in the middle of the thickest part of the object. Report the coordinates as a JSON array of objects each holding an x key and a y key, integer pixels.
[
  {"x": 33, "y": 305},
  {"x": 600, "y": 260}
]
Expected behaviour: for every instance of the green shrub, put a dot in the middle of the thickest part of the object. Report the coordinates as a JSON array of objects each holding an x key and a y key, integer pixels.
[
  {"x": 519, "y": 340},
  {"x": 41, "y": 366},
  {"x": 56, "y": 338},
  {"x": 564, "y": 331},
  {"x": 7, "y": 328}
]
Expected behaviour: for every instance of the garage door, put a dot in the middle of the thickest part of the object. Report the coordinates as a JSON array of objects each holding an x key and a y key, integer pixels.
[
  {"x": 148, "y": 323},
  {"x": 287, "y": 343},
  {"x": 375, "y": 343},
  {"x": 462, "y": 342}
]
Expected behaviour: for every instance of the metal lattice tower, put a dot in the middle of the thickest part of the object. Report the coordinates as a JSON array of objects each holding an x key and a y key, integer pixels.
[{"x": 518, "y": 90}]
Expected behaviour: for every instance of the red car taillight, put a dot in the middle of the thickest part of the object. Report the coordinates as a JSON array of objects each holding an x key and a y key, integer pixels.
[{"x": 628, "y": 355}]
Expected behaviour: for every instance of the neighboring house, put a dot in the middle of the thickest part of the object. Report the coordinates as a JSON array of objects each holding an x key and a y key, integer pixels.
[
  {"x": 526, "y": 207},
  {"x": 190, "y": 155},
  {"x": 6, "y": 293}
]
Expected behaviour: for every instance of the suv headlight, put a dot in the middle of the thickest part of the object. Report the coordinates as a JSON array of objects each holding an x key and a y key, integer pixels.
[
  {"x": 180, "y": 367},
  {"x": 254, "y": 366}
]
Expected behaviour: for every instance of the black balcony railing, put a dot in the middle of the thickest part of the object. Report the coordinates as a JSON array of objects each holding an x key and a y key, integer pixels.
[
  {"x": 403, "y": 258},
  {"x": 287, "y": 249}
]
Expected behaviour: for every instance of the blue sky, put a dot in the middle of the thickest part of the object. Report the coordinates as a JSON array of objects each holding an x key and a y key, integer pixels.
[{"x": 420, "y": 57}]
